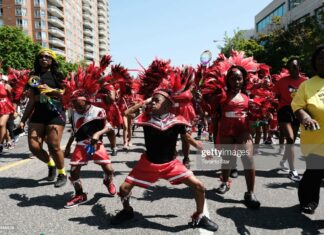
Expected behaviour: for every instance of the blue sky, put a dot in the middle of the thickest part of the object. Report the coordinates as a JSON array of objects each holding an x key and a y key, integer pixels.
[{"x": 174, "y": 29}]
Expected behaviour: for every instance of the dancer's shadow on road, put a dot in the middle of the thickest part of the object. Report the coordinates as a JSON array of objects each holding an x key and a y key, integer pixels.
[
  {"x": 272, "y": 219},
  {"x": 7, "y": 155},
  {"x": 94, "y": 173},
  {"x": 102, "y": 220},
  {"x": 15, "y": 183},
  {"x": 56, "y": 202}
]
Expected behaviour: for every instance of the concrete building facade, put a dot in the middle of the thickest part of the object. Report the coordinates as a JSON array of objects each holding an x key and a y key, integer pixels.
[
  {"x": 289, "y": 11},
  {"x": 75, "y": 29}
]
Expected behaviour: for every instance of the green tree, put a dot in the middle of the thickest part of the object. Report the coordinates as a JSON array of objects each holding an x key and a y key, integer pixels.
[
  {"x": 67, "y": 67},
  {"x": 17, "y": 50},
  {"x": 250, "y": 46}
]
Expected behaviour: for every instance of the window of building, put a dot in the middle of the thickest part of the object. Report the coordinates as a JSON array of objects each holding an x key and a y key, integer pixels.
[
  {"x": 261, "y": 25},
  {"x": 39, "y": 3},
  {"x": 0, "y": 2},
  {"x": 21, "y": 11},
  {"x": 22, "y": 23},
  {"x": 39, "y": 13},
  {"x": 1, "y": 11},
  {"x": 40, "y": 24},
  {"x": 294, "y": 3},
  {"x": 20, "y": 2},
  {"x": 319, "y": 13},
  {"x": 1, "y": 22},
  {"x": 41, "y": 35}
]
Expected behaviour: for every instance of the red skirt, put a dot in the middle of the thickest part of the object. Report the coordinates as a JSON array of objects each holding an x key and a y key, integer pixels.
[
  {"x": 114, "y": 116},
  {"x": 6, "y": 106}
]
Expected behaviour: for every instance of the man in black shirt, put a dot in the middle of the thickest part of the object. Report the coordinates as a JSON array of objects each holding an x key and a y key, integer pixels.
[{"x": 161, "y": 130}]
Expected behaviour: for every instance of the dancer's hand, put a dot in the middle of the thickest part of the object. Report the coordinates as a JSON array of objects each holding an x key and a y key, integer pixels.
[
  {"x": 310, "y": 124},
  {"x": 22, "y": 125}
]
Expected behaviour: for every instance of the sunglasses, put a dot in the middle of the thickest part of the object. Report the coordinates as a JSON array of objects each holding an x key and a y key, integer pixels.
[{"x": 45, "y": 57}]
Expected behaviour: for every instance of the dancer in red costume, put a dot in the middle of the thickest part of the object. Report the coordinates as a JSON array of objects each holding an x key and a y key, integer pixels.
[
  {"x": 161, "y": 130},
  {"x": 234, "y": 129},
  {"x": 6, "y": 107},
  {"x": 184, "y": 106},
  {"x": 89, "y": 123},
  {"x": 106, "y": 100}
]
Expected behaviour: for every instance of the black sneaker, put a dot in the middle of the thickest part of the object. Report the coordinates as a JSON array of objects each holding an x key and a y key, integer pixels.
[
  {"x": 234, "y": 173},
  {"x": 114, "y": 152},
  {"x": 223, "y": 188},
  {"x": 1, "y": 149},
  {"x": 251, "y": 201},
  {"x": 51, "y": 173},
  {"x": 309, "y": 208},
  {"x": 122, "y": 216},
  {"x": 61, "y": 181},
  {"x": 204, "y": 223}
]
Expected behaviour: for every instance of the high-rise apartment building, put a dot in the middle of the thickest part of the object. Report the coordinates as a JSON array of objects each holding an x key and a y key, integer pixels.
[
  {"x": 289, "y": 11},
  {"x": 75, "y": 29}
]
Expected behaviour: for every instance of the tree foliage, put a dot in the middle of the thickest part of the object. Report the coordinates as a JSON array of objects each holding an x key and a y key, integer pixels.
[
  {"x": 17, "y": 50},
  {"x": 276, "y": 47}
]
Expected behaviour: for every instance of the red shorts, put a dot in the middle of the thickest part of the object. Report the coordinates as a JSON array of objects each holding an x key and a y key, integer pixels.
[
  {"x": 79, "y": 156},
  {"x": 145, "y": 173},
  {"x": 233, "y": 127}
]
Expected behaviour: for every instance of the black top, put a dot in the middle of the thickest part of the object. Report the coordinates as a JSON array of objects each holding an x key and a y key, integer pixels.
[
  {"x": 88, "y": 129},
  {"x": 54, "y": 82},
  {"x": 161, "y": 145}
]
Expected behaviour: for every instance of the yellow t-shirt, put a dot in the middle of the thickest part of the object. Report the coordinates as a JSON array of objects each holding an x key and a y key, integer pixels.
[{"x": 310, "y": 97}]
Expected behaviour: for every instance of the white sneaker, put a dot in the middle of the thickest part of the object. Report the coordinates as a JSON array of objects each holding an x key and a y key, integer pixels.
[
  {"x": 293, "y": 175},
  {"x": 281, "y": 151},
  {"x": 283, "y": 166}
]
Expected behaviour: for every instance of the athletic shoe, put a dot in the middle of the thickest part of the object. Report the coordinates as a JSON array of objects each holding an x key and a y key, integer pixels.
[
  {"x": 122, "y": 216},
  {"x": 223, "y": 188},
  {"x": 1, "y": 149},
  {"x": 51, "y": 173},
  {"x": 204, "y": 223},
  {"x": 283, "y": 166},
  {"x": 234, "y": 173},
  {"x": 110, "y": 186},
  {"x": 251, "y": 201},
  {"x": 114, "y": 152},
  {"x": 308, "y": 208},
  {"x": 61, "y": 181},
  {"x": 76, "y": 200},
  {"x": 293, "y": 175}
]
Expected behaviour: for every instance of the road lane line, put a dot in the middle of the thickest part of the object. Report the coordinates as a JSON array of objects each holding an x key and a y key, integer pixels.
[
  {"x": 16, "y": 163},
  {"x": 206, "y": 213}
]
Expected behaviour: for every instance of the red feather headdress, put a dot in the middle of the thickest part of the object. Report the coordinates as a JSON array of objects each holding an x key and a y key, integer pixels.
[
  {"x": 18, "y": 80},
  {"x": 84, "y": 83}
]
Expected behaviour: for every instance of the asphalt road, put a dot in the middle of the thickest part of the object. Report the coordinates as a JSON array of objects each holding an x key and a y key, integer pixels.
[{"x": 30, "y": 205}]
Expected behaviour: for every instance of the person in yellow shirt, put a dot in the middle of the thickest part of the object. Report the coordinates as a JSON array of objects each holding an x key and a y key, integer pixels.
[{"x": 308, "y": 105}]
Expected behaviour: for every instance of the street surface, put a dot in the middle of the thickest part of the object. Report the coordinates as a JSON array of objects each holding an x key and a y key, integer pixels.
[{"x": 30, "y": 205}]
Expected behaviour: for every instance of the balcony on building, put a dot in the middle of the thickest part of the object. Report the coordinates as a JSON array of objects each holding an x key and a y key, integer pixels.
[
  {"x": 102, "y": 5},
  {"x": 102, "y": 20},
  {"x": 88, "y": 56},
  {"x": 87, "y": 9},
  {"x": 88, "y": 32},
  {"x": 88, "y": 40},
  {"x": 58, "y": 51},
  {"x": 102, "y": 27},
  {"x": 55, "y": 11},
  {"x": 56, "y": 32},
  {"x": 88, "y": 24},
  {"x": 87, "y": 16},
  {"x": 88, "y": 48},
  {"x": 56, "y": 42},
  {"x": 102, "y": 12},
  {"x": 58, "y": 3},
  {"x": 56, "y": 21}
]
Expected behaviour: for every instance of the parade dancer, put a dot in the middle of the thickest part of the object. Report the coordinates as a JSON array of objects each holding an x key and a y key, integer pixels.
[
  {"x": 161, "y": 129},
  {"x": 285, "y": 89},
  {"x": 89, "y": 124},
  {"x": 6, "y": 107},
  {"x": 234, "y": 128}
]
